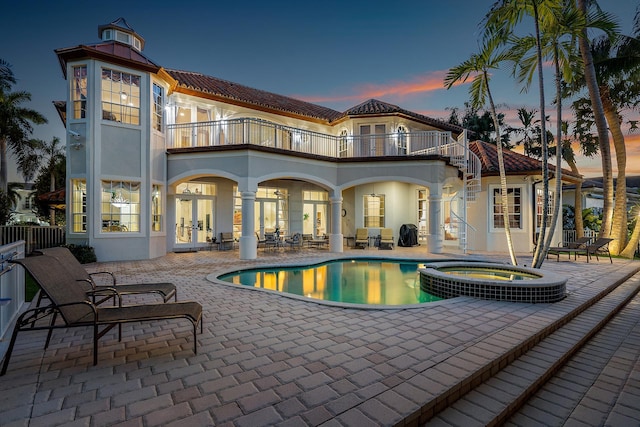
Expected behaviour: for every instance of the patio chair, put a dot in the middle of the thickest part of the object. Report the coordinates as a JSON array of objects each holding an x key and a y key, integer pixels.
[
  {"x": 362, "y": 238},
  {"x": 226, "y": 239},
  {"x": 600, "y": 246},
  {"x": 78, "y": 273},
  {"x": 71, "y": 304},
  {"x": 570, "y": 248},
  {"x": 272, "y": 240},
  {"x": 294, "y": 242},
  {"x": 260, "y": 242},
  {"x": 386, "y": 238}
]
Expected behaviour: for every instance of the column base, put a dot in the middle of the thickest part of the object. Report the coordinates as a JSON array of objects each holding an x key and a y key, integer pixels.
[
  {"x": 248, "y": 247},
  {"x": 336, "y": 243}
]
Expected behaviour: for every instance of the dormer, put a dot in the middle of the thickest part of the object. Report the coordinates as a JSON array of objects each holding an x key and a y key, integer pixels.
[{"x": 122, "y": 32}]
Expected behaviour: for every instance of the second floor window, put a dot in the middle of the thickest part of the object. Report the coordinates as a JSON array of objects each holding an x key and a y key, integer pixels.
[
  {"x": 120, "y": 97},
  {"x": 79, "y": 92},
  {"x": 158, "y": 107}
]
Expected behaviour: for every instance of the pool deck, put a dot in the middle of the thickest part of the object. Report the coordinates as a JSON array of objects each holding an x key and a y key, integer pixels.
[{"x": 268, "y": 360}]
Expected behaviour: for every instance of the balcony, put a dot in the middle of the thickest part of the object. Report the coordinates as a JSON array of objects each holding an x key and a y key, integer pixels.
[{"x": 268, "y": 134}]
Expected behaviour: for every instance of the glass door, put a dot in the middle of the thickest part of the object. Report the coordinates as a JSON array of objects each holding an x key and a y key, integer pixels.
[{"x": 194, "y": 222}]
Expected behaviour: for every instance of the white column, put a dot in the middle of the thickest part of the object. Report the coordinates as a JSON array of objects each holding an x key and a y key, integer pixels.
[
  {"x": 335, "y": 237},
  {"x": 435, "y": 239},
  {"x": 248, "y": 241}
]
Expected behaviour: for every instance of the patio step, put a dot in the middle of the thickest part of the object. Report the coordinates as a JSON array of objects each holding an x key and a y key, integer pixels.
[{"x": 492, "y": 399}]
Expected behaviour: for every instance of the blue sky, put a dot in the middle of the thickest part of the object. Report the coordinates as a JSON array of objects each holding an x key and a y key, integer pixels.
[{"x": 333, "y": 53}]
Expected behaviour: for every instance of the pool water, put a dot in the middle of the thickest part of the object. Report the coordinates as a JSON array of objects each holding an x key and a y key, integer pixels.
[
  {"x": 487, "y": 273},
  {"x": 355, "y": 281}
]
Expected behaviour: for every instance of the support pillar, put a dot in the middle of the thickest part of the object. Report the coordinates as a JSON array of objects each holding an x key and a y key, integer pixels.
[
  {"x": 248, "y": 241},
  {"x": 436, "y": 230},
  {"x": 336, "y": 243}
]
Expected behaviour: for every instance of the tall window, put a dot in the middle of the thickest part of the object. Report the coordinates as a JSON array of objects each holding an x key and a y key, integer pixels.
[
  {"x": 514, "y": 198},
  {"x": 343, "y": 144},
  {"x": 402, "y": 140},
  {"x": 120, "y": 97},
  {"x": 158, "y": 107},
  {"x": 374, "y": 210},
  {"x": 79, "y": 92},
  {"x": 79, "y": 205},
  {"x": 120, "y": 206},
  {"x": 539, "y": 207},
  {"x": 156, "y": 208}
]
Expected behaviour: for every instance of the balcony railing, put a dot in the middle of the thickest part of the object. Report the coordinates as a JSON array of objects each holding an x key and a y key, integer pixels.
[{"x": 269, "y": 134}]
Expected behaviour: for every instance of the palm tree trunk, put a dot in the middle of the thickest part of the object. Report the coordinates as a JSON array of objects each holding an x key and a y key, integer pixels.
[
  {"x": 630, "y": 249},
  {"x": 503, "y": 178},
  {"x": 556, "y": 207},
  {"x": 538, "y": 255},
  {"x": 619, "y": 231},
  {"x": 601, "y": 125},
  {"x": 52, "y": 187},
  {"x": 577, "y": 201},
  {"x": 3, "y": 165}
]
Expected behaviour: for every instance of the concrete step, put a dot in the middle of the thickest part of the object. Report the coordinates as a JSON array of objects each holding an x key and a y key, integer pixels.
[
  {"x": 498, "y": 396},
  {"x": 599, "y": 385}
]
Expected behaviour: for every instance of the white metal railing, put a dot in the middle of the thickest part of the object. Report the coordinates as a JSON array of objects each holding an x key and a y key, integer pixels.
[
  {"x": 569, "y": 236},
  {"x": 11, "y": 286}
]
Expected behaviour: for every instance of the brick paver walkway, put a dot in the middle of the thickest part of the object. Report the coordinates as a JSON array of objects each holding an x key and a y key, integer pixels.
[{"x": 268, "y": 360}]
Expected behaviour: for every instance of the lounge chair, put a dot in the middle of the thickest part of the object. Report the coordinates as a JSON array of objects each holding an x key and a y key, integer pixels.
[
  {"x": 225, "y": 240},
  {"x": 70, "y": 303},
  {"x": 362, "y": 238},
  {"x": 386, "y": 238},
  {"x": 600, "y": 246},
  {"x": 571, "y": 248},
  {"x": 77, "y": 272}
]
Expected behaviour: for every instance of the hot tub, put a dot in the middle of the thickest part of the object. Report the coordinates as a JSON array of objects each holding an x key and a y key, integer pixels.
[{"x": 496, "y": 282}]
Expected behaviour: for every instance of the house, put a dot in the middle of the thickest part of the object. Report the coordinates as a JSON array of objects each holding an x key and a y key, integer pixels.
[{"x": 161, "y": 159}]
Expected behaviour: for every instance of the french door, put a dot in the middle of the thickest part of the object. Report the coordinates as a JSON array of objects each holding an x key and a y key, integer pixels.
[{"x": 194, "y": 221}]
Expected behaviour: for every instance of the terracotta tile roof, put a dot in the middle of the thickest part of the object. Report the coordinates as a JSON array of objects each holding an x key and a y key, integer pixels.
[
  {"x": 238, "y": 92},
  {"x": 514, "y": 163},
  {"x": 377, "y": 107},
  {"x": 110, "y": 51}
]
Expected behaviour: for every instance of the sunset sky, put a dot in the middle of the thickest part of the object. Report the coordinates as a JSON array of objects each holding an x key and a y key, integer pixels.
[{"x": 335, "y": 53}]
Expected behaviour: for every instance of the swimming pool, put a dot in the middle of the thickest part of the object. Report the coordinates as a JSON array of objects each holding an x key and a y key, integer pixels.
[{"x": 363, "y": 281}]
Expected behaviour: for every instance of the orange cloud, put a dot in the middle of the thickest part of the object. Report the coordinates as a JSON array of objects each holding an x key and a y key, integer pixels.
[{"x": 421, "y": 84}]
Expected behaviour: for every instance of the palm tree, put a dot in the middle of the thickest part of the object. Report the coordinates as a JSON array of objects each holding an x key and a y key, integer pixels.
[
  {"x": 529, "y": 133},
  {"x": 479, "y": 64},
  {"x": 54, "y": 155},
  {"x": 16, "y": 121},
  {"x": 601, "y": 124},
  {"x": 504, "y": 16}
]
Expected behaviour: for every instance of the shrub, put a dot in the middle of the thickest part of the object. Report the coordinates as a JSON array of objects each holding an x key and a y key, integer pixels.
[{"x": 83, "y": 253}]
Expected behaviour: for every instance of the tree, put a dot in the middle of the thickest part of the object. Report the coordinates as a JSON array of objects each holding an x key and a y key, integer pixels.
[
  {"x": 54, "y": 156},
  {"x": 479, "y": 64},
  {"x": 529, "y": 133},
  {"x": 480, "y": 126},
  {"x": 504, "y": 16},
  {"x": 16, "y": 122},
  {"x": 601, "y": 124}
]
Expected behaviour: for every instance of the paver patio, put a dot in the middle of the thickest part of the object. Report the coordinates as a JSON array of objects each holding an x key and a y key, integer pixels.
[{"x": 268, "y": 360}]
